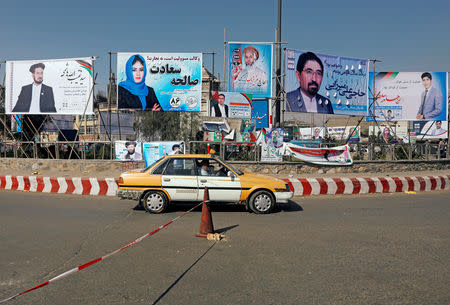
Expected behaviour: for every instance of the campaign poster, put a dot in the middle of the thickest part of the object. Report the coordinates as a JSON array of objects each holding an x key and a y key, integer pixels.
[
  {"x": 154, "y": 151},
  {"x": 329, "y": 84},
  {"x": 260, "y": 114},
  {"x": 271, "y": 141},
  {"x": 430, "y": 129},
  {"x": 159, "y": 81},
  {"x": 409, "y": 96},
  {"x": 339, "y": 155},
  {"x": 128, "y": 150},
  {"x": 317, "y": 132},
  {"x": 250, "y": 68},
  {"x": 344, "y": 132},
  {"x": 53, "y": 86},
  {"x": 231, "y": 105}
]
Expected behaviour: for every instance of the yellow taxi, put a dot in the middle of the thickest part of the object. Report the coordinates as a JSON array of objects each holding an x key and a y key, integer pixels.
[{"x": 183, "y": 178}]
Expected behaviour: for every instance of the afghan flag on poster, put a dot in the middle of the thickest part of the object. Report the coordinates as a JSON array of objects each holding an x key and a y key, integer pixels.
[{"x": 339, "y": 155}]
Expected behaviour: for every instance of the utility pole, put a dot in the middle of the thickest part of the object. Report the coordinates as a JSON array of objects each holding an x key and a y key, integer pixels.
[{"x": 278, "y": 70}]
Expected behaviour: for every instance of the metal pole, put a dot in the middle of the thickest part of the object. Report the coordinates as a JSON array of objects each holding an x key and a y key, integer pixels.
[
  {"x": 278, "y": 69},
  {"x": 224, "y": 58}
]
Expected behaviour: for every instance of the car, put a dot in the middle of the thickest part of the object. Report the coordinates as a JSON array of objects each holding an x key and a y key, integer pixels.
[{"x": 183, "y": 178}]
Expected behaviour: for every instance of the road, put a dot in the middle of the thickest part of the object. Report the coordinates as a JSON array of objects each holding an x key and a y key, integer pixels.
[{"x": 367, "y": 249}]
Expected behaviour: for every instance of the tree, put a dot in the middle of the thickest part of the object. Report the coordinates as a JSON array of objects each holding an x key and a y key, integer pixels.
[{"x": 167, "y": 126}]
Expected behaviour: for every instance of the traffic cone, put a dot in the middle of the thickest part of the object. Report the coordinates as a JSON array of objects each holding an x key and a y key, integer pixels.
[{"x": 206, "y": 223}]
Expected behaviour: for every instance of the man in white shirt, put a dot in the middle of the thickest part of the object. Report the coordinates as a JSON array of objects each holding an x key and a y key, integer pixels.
[
  {"x": 36, "y": 98},
  {"x": 438, "y": 130},
  {"x": 220, "y": 109}
]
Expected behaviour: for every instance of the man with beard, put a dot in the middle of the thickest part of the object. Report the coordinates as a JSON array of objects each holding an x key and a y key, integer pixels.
[
  {"x": 36, "y": 98},
  {"x": 250, "y": 79},
  {"x": 305, "y": 98}
]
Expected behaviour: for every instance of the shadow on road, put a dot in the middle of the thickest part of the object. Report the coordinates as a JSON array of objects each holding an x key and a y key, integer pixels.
[
  {"x": 291, "y": 206},
  {"x": 184, "y": 273}
]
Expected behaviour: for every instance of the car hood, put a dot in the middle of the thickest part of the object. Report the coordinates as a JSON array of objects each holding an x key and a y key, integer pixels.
[{"x": 262, "y": 177}]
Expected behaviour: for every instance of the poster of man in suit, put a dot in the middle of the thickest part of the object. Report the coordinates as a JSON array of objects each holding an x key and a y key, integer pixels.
[{"x": 62, "y": 86}]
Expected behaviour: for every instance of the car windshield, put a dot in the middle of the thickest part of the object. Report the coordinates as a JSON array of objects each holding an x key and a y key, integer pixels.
[
  {"x": 151, "y": 165},
  {"x": 231, "y": 167}
]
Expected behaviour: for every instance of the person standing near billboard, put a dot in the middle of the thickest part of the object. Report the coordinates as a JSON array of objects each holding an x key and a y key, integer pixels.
[
  {"x": 309, "y": 75},
  {"x": 36, "y": 97},
  {"x": 431, "y": 99},
  {"x": 133, "y": 92},
  {"x": 251, "y": 78}
]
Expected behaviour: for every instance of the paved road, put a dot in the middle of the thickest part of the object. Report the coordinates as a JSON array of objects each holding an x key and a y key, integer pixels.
[{"x": 368, "y": 249}]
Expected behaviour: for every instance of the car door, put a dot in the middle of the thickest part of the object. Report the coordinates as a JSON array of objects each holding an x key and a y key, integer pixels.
[
  {"x": 179, "y": 179},
  {"x": 221, "y": 187}
]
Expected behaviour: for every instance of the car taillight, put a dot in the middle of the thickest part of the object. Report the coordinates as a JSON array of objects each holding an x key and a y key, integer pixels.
[{"x": 120, "y": 180}]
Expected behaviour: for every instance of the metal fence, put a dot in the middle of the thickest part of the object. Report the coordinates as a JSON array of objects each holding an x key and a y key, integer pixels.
[{"x": 232, "y": 151}]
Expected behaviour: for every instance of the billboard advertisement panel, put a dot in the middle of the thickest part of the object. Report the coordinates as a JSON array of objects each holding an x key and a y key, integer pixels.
[
  {"x": 128, "y": 150},
  {"x": 231, "y": 104},
  {"x": 250, "y": 68},
  {"x": 430, "y": 129},
  {"x": 271, "y": 141},
  {"x": 159, "y": 81},
  {"x": 54, "y": 86},
  {"x": 154, "y": 151},
  {"x": 409, "y": 96},
  {"x": 320, "y": 83}
]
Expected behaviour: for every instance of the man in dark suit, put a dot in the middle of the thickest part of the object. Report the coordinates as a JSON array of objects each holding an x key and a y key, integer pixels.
[
  {"x": 305, "y": 98},
  {"x": 220, "y": 109},
  {"x": 36, "y": 97}
]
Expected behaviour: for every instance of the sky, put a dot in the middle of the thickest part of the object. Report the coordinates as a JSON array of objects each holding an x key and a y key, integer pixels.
[{"x": 405, "y": 35}]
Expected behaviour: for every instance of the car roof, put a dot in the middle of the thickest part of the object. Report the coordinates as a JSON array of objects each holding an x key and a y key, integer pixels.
[{"x": 202, "y": 156}]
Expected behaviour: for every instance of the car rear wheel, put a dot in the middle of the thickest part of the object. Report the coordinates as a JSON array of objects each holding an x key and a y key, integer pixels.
[
  {"x": 155, "y": 202},
  {"x": 262, "y": 202}
]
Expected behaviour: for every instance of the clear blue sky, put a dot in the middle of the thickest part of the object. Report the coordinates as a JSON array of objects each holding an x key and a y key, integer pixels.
[{"x": 406, "y": 35}]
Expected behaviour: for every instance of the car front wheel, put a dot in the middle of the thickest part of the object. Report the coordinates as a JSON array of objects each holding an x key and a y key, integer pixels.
[
  {"x": 155, "y": 202},
  {"x": 262, "y": 202}
]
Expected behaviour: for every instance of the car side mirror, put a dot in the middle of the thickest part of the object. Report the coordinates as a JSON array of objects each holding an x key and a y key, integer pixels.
[{"x": 231, "y": 174}]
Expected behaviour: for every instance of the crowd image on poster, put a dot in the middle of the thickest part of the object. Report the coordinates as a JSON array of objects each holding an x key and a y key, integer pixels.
[
  {"x": 128, "y": 150},
  {"x": 159, "y": 81},
  {"x": 250, "y": 68},
  {"x": 231, "y": 104},
  {"x": 54, "y": 86},
  {"x": 328, "y": 84},
  {"x": 409, "y": 96}
]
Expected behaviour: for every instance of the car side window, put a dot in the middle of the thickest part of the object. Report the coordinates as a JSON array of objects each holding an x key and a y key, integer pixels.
[
  {"x": 210, "y": 167},
  {"x": 158, "y": 170},
  {"x": 180, "y": 167}
]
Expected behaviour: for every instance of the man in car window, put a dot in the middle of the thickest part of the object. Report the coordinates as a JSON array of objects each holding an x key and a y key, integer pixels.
[{"x": 205, "y": 170}]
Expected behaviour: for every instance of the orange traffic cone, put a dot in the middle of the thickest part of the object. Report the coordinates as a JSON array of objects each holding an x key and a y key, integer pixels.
[{"x": 206, "y": 224}]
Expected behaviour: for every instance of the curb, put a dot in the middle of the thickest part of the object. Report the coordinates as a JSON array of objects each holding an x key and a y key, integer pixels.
[
  {"x": 353, "y": 186},
  {"x": 301, "y": 186},
  {"x": 61, "y": 185}
]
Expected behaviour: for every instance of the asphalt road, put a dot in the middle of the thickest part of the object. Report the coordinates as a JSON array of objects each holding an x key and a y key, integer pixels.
[{"x": 367, "y": 249}]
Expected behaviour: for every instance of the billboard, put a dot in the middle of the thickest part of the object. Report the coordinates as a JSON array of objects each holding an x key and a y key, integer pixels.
[
  {"x": 231, "y": 104},
  {"x": 250, "y": 68},
  {"x": 159, "y": 81},
  {"x": 344, "y": 132},
  {"x": 430, "y": 129},
  {"x": 128, "y": 150},
  {"x": 54, "y": 86},
  {"x": 320, "y": 83},
  {"x": 271, "y": 141},
  {"x": 409, "y": 96},
  {"x": 154, "y": 151}
]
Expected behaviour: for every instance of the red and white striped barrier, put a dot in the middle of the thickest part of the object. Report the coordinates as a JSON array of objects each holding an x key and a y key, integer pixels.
[
  {"x": 60, "y": 185},
  {"x": 333, "y": 186}
]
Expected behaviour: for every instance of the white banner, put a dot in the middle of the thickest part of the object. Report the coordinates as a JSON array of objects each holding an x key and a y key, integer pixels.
[
  {"x": 338, "y": 155},
  {"x": 57, "y": 86}
]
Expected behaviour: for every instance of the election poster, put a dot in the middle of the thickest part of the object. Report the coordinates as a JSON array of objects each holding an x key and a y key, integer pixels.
[
  {"x": 250, "y": 68},
  {"x": 231, "y": 105},
  {"x": 260, "y": 114},
  {"x": 128, "y": 150},
  {"x": 271, "y": 141},
  {"x": 409, "y": 96},
  {"x": 159, "y": 81},
  {"x": 430, "y": 129},
  {"x": 339, "y": 155},
  {"x": 344, "y": 132},
  {"x": 328, "y": 84},
  {"x": 154, "y": 151},
  {"x": 53, "y": 86}
]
